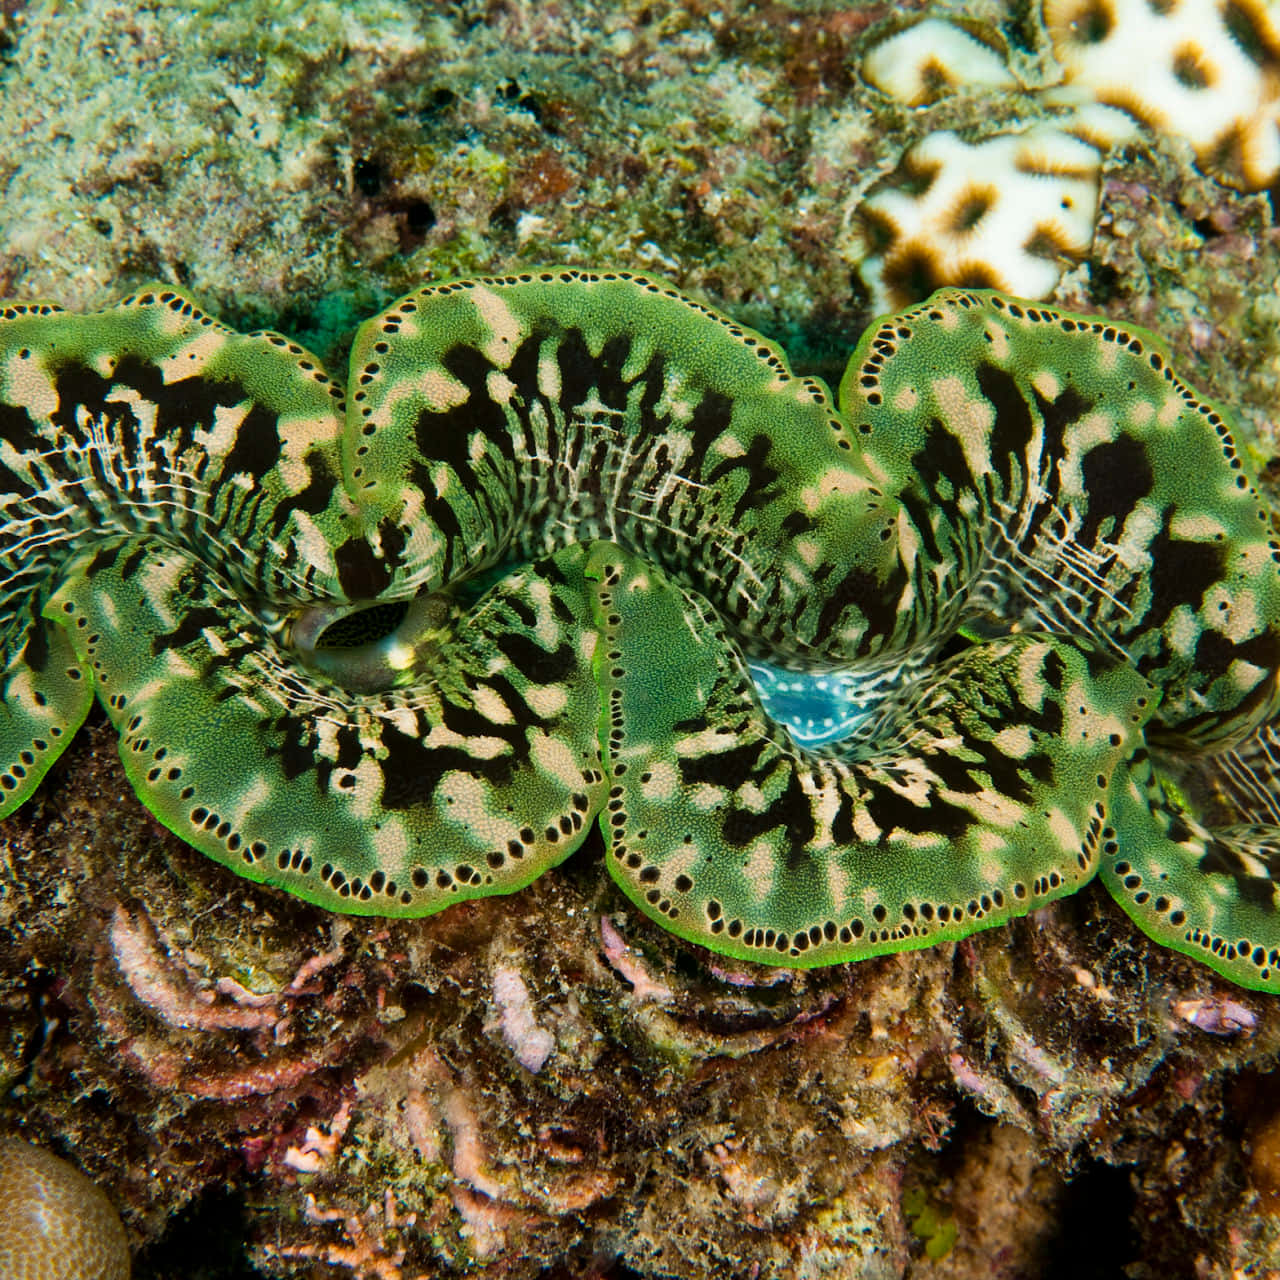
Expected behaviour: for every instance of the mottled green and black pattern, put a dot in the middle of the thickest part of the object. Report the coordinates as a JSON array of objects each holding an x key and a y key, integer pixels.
[
  {"x": 985, "y": 794},
  {"x": 177, "y": 496},
  {"x": 405, "y": 651},
  {"x": 150, "y": 418},
  {"x": 1059, "y": 474},
  {"x": 505, "y": 418}
]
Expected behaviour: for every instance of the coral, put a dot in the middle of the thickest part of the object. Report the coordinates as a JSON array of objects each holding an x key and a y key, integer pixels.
[
  {"x": 992, "y": 1215},
  {"x": 1010, "y": 210},
  {"x": 428, "y": 693},
  {"x": 1004, "y": 213},
  {"x": 57, "y": 1225},
  {"x": 1207, "y": 73},
  {"x": 765, "y": 1115},
  {"x": 929, "y": 57},
  {"x": 338, "y": 159},
  {"x": 531, "y": 1044}
]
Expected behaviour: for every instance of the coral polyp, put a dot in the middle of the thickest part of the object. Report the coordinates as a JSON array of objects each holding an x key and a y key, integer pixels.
[
  {"x": 57, "y": 1224},
  {"x": 1207, "y": 73},
  {"x": 1003, "y": 212},
  {"x": 399, "y": 651},
  {"x": 915, "y": 65}
]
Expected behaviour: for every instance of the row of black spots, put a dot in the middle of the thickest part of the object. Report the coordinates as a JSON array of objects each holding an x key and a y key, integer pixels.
[
  {"x": 381, "y": 883},
  {"x": 215, "y": 825},
  {"x": 364, "y": 892},
  {"x": 1241, "y": 949},
  {"x": 27, "y": 756},
  {"x": 16, "y": 309},
  {"x": 841, "y": 429},
  {"x": 615, "y": 817},
  {"x": 367, "y": 428},
  {"x": 1133, "y": 883},
  {"x": 176, "y": 302},
  {"x": 357, "y": 888},
  {"x": 612, "y": 575},
  {"x": 279, "y": 340},
  {"x": 924, "y": 915},
  {"x": 827, "y": 932},
  {"x": 897, "y": 933},
  {"x": 565, "y": 827},
  {"x": 1084, "y": 854},
  {"x": 818, "y": 394},
  {"x": 1222, "y": 431},
  {"x": 337, "y": 880},
  {"x": 17, "y": 771},
  {"x": 659, "y": 901},
  {"x": 1041, "y": 886},
  {"x": 295, "y": 860},
  {"x": 1272, "y": 545},
  {"x": 1097, "y": 837},
  {"x": 765, "y": 939},
  {"x": 463, "y": 876},
  {"x": 320, "y": 375},
  {"x": 253, "y": 852},
  {"x": 883, "y": 349},
  {"x": 1185, "y": 394},
  {"x": 815, "y": 936},
  {"x": 1014, "y": 308}
]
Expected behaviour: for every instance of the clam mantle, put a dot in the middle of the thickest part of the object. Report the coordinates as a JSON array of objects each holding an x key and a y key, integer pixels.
[{"x": 835, "y": 678}]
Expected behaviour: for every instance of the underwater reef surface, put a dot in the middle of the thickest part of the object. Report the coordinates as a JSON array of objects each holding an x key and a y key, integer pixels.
[{"x": 547, "y": 1083}]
